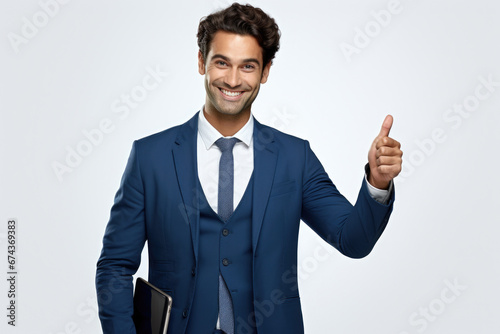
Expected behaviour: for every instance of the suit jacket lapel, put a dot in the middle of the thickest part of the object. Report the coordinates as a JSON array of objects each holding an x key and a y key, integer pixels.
[
  {"x": 185, "y": 161},
  {"x": 265, "y": 157}
]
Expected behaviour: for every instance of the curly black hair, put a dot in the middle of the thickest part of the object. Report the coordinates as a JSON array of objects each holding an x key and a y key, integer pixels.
[{"x": 242, "y": 20}]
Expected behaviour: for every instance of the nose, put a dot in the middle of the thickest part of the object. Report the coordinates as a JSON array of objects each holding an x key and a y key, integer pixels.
[{"x": 233, "y": 78}]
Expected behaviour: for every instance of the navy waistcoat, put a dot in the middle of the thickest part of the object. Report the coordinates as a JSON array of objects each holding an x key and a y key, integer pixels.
[{"x": 224, "y": 247}]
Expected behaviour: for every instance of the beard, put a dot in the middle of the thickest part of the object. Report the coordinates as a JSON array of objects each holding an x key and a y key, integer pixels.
[{"x": 228, "y": 107}]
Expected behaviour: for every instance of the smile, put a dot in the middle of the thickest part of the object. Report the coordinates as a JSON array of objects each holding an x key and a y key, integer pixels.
[{"x": 229, "y": 93}]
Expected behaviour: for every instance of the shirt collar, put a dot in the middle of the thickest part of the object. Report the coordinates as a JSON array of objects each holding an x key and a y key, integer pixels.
[{"x": 209, "y": 134}]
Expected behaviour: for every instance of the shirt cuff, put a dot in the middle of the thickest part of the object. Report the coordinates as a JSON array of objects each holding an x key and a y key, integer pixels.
[{"x": 380, "y": 195}]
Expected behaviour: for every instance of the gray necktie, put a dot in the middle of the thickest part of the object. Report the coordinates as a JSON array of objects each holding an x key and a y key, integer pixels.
[{"x": 224, "y": 210}]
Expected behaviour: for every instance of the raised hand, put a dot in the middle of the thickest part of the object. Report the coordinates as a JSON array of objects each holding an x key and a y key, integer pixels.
[{"x": 384, "y": 157}]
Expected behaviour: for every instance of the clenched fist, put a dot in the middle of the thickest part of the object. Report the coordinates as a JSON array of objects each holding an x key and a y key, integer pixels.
[{"x": 384, "y": 157}]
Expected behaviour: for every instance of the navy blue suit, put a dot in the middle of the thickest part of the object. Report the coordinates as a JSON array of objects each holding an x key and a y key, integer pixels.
[{"x": 158, "y": 201}]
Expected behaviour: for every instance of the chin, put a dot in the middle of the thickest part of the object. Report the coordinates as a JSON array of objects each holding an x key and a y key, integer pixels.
[{"x": 229, "y": 112}]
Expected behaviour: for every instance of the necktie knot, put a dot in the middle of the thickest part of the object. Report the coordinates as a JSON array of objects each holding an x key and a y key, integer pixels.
[{"x": 226, "y": 144}]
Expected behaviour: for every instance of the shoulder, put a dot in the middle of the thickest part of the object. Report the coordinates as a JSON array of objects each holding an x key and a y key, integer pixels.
[
  {"x": 167, "y": 138},
  {"x": 295, "y": 150},
  {"x": 265, "y": 133},
  {"x": 162, "y": 137}
]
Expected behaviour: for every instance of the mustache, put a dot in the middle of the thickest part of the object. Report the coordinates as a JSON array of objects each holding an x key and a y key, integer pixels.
[{"x": 223, "y": 85}]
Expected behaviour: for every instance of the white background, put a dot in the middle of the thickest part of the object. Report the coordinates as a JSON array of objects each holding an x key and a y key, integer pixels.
[{"x": 426, "y": 58}]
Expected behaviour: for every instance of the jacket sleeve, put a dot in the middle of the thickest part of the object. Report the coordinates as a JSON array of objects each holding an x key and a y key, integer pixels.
[
  {"x": 353, "y": 230},
  {"x": 120, "y": 257}
]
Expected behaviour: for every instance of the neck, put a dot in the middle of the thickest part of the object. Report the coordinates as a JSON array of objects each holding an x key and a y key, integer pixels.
[{"x": 227, "y": 125}]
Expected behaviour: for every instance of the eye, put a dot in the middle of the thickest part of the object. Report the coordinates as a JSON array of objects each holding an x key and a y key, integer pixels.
[
  {"x": 220, "y": 63},
  {"x": 249, "y": 67}
]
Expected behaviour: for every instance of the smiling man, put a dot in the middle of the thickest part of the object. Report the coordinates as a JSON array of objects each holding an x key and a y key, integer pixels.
[
  {"x": 220, "y": 198},
  {"x": 234, "y": 69}
]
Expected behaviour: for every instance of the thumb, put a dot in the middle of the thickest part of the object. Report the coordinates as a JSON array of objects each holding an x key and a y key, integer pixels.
[{"x": 386, "y": 126}]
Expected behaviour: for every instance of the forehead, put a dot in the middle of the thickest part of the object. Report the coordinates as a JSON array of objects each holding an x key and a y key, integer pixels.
[{"x": 234, "y": 46}]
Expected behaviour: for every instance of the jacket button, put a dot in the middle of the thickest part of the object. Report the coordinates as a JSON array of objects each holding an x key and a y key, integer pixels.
[
  {"x": 193, "y": 271},
  {"x": 225, "y": 262},
  {"x": 185, "y": 313},
  {"x": 225, "y": 232}
]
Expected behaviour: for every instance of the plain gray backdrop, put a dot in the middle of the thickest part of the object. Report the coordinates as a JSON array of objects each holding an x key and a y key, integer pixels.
[{"x": 68, "y": 68}]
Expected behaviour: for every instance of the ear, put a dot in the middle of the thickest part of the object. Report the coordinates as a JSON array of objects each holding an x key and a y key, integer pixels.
[
  {"x": 265, "y": 73},
  {"x": 201, "y": 63}
]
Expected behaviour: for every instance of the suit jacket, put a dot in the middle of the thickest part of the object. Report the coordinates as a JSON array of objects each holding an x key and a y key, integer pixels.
[{"x": 158, "y": 201}]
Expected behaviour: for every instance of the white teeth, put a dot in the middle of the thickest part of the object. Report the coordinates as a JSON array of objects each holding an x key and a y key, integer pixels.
[{"x": 228, "y": 93}]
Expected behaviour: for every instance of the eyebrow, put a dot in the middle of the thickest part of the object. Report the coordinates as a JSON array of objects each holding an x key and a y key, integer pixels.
[{"x": 247, "y": 60}]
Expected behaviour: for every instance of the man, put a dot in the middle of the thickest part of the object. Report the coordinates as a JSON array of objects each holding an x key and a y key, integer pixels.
[{"x": 220, "y": 198}]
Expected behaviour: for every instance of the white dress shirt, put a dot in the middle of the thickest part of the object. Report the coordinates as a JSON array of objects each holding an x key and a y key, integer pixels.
[{"x": 209, "y": 157}]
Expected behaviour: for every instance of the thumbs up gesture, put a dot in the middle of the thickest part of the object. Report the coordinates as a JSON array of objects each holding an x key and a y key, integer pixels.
[{"x": 384, "y": 157}]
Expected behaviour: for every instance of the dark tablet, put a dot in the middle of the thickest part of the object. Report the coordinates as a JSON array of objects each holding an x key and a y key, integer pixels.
[{"x": 152, "y": 308}]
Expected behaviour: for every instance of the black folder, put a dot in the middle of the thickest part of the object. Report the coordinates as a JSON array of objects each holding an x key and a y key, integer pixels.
[{"x": 152, "y": 308}]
